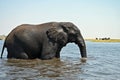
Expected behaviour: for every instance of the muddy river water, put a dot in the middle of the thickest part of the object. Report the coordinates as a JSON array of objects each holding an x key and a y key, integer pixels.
[{"x": 103, "y": 63}]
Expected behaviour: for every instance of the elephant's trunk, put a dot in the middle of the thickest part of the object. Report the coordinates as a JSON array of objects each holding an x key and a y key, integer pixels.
[{"x": 82, "y": 47}]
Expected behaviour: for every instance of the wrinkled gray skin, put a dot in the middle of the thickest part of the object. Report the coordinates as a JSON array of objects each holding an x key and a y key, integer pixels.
[{"x": 43, "y": 41}]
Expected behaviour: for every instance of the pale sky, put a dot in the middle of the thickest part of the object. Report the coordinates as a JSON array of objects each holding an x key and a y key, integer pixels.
[{"x": 95, "y": 18}]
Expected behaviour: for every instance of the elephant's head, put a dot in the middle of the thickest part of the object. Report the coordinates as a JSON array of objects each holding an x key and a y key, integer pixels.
[{"x": 67, "y": 32}]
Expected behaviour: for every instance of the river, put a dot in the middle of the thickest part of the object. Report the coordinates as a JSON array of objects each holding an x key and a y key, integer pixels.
[{"x": 103, "y": 63}]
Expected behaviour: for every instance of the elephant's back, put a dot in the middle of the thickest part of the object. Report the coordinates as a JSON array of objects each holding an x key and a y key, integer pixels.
[
  {"x": 33, "y": 28},
  {"x": 30, "y": 30},
  {"x": 48, "y": 25},
  {"x": 18, "y": 31}
]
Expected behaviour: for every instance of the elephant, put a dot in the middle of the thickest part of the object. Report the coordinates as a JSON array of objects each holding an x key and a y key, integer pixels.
[{"x": 43, "y": 41}]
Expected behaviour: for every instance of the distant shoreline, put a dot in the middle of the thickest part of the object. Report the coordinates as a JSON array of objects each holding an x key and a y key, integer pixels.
[
  {"x": 2, "y": 37},
  {"x": 110, "y": 40}
]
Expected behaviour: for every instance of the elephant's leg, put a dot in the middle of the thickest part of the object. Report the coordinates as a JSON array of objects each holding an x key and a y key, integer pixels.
[
  {"x": 49, "y": 51},
  {"x": 19, "y": 52},
  {"x": 10, "y": 52},
  {"x": 47, "y": 54},
  {"x": 9, "y": 55},
  {"x": 58, "y": 53},
  {"x": 22, "y": 55}
]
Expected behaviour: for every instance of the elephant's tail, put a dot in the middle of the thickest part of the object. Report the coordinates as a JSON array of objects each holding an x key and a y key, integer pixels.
[{"x": 2, "y": 50}]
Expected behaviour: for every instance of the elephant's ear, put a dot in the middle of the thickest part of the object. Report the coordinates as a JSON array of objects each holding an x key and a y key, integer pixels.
[{"x": 56, "y": 35}]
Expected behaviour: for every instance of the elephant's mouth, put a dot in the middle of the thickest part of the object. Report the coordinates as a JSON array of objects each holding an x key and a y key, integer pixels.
[{"x": 71, "y": 40}]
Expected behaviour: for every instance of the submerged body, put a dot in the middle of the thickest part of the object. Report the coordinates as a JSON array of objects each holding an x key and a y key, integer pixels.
[{"x": 43, "y": 41}]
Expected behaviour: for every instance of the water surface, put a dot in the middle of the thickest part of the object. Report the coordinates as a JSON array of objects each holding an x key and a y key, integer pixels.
[{"x": 103, "y": 64}]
